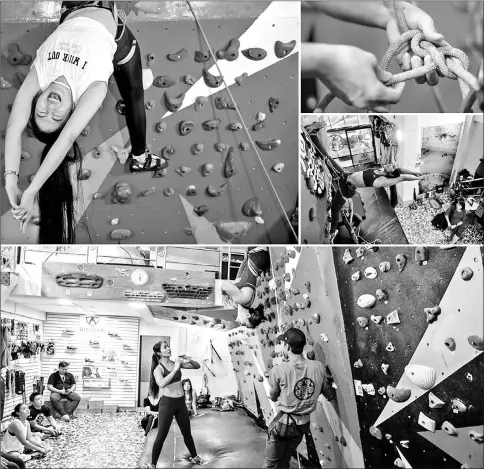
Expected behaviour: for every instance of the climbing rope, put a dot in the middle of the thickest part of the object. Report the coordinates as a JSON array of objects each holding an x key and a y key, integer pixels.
[
  {"x": 447, "y": 60},
  {"x": 242, "y": 121}
]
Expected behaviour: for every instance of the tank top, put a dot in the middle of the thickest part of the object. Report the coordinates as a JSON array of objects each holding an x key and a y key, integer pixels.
[
  {"x": 80, "y": 49},
  {"x": 176, "y": 377},
  {"x": 11, "y": 443},
  {"x": 189, "y": 400}
]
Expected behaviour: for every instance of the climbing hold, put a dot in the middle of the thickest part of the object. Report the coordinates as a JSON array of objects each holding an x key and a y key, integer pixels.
[
  {"x": 376, "y": 432},
  {"x": 4, "y": 84},
  {"x": 269, "y": 145},
  {"x": 405, "y": 443},
  {"x": 173, "y": 103},
  {"x": 385, "y": 367},
  {"x": 273, "y": 104},
  {"x": 150, "y": 104},
  {"x": 399, "y": 463},
  {"x": 384, "y": 266},
  {"x": 458, "y": 406},
  {"x": 255, "y": 53},
  {"x": 316, "y": 318},
  {"x": 98, "y": 195},
  {"x": 206, "y": 169},
  {"x": 450, "y": 343},
  {"x": 435, "y": 402},
  {"x": 114, "y": 221},
  {"x": 362, "y": 321},
  {"x": 169, "y": 191},
  {"x": 358, "y": 363},
  {"x": 191, "y": 190},
  {"x": 234, "y": 126},
  {"x": 422, "y": 375},
  {"x": 229, "y": 168},
  {"x": 278, "y": 167},
  {"x": 86, "y": 131},
  {"x": 390, "y": 347},
  {"x": 392, "y": 318},
  {"x": 312, "y": 214},
  {"x": 212, "y": 81},
  {"x": 15, "y": 57},
  {"x": 84, "y": 174},
  {"x": 260, "y": 117},
  {"x": 25, "y": 155},
  {"x": 258, "y": 126},
  {"x": 197, "y": 148},
  {"x": 398, "y": 394},
  {"x": 211, "y": 124},
  {"x": 311, "y": 355},
  {"x": 163, "y": 81},
  {"x": 366, "y": 301},
  {"x": 244, "y": 146},
  {"x": 160, "y": 173},
  {"x": 220, "y": 147},
  {"x": 370, "y": 272},
  {"x": 376, "y": 319},
  {"x": 121, "y": 107},
  {"x": 121, "y": 153},
  {"x": 231, "y": 230},
  {"x": 181, "y": 54},
  {"x": 347, "y": 257},
  {"x": 151, "y": 59},
  {"x": 200, "y": 103},
  {"x": 401, "y": 261},
  {"x": 382, "y": 295},
  {"x": 122, "y": 193},
  {"x": 342, "y": 441},
  {"x": 148, "y": 192},
  {"x": 183, "y": 170},
  {"x": 189, "y": 79},
  {"x": 200, "y": 209},
  {"x": 449, "y": 429},
  {"x": 120, "y": 234},
  {"x": 476, "y": 342},
  {"x": 432, "y": 313},
  {"x": 324, "y": 337},
  {"x": 230, "y": 52},
  {"x": 476, "y": 436},
  {"x": 421, "y": 254},
  {"x": 466, "y": 273},
  {"x": 240, "y": 79},
  {"x": 252, "y": 208},
  {"x": 224, "y": 103},
  {"x": 356, "y": 276},
  {"x": 259, "y": 220},
  {"x": 201, "y": 56},
  {"x": 282, "y": 49},
  {"x": 160, "y": 127},
  {"x": 186, "y": 127},
  {"x": 167, "y": 152}
]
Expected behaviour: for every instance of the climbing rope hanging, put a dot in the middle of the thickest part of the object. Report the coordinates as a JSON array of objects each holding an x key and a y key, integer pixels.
[
  {"x": 447, "y": 60},
  {"x": 285, "y": 217}
]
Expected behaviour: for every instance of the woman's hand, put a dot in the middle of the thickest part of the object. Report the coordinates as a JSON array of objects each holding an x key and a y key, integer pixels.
[
  {"x": 416, "y": 19},
  {"x": 177, "y": 364},
  {"x": 24, "y": 212},
  {"x": 13, "y": 192}
]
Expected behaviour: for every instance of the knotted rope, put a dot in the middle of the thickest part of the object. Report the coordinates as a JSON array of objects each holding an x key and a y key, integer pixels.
[{"x": 447, "y": 60}]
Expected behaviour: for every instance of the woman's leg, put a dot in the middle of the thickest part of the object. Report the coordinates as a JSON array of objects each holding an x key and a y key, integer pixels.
[
  {"x": 183, "y": 421},
  {"x": 165, "y": 417},
  {"x": 336, "y": 206}
]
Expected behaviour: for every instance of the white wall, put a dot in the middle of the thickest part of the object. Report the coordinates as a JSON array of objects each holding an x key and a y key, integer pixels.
[{"x": 471, "y": 149}]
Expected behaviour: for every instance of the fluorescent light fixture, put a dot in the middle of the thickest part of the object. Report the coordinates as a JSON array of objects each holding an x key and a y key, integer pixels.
[
  {"x": 137, "y": 305},
  {"x": 64, "y": 302}
]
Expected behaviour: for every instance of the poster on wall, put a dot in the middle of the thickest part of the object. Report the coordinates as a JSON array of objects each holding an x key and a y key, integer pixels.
[
  {"x": 92, "y": 378},
  {"x": 92, "y": 327}
]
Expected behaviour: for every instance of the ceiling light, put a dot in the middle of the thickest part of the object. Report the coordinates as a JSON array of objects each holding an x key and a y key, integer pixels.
[
  {"x": 137, "y": 305},
  {"x": 64, "y": 302}
]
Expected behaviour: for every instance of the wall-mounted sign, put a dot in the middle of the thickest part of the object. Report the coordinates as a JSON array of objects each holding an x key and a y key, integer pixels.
[
  {"x": 92, "y": 378},
  {"x": 94, "y": 326}
]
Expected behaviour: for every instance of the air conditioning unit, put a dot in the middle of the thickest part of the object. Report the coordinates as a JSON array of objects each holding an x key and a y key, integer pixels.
[{"x": 128, "y": 283}]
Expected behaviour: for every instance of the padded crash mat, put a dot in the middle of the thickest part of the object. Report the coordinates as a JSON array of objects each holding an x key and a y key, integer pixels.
[{"x": 222, "y": 439}]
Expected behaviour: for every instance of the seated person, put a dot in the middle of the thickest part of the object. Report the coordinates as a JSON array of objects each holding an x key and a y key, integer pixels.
[
  {"x": 150, "y": 420},
  {"x": 190, "y": 397},
  {"x": 18, "y": 440},
  {"x": 41, "y": 421},
  {"x": 455, "y": 216},
  {"x": 62, "y": 385}
]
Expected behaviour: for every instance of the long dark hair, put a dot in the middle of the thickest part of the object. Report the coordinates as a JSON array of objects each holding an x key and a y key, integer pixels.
[
  {"x": 56, "y": 196},
  {"x": 16, "y": 410},
  {"x": 153, "y": 387},
  {"x": 187, "y": 380},
  {"x": 256, "y": 316}
]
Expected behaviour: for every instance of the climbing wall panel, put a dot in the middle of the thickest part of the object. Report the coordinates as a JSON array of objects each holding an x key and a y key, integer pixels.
[{"x": 426, "y": 356}]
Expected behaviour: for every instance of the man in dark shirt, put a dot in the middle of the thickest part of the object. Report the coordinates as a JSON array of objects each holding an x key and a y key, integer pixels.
[
  {"x": 62, "y": 385},
  {"x": 40, "y": 418}
]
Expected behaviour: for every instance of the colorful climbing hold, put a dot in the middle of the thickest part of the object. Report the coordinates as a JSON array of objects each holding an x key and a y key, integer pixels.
[
  {"x": 282, "y": 49},
  {"x": 232, "y": 230},
  {"x": 390, "y": 347},
  {"x": 173, "y": 103},
  {"x": 362, "y": 321},
  {"x": 347, "y": 257},
  {"x": 240, "y": 79},
  {"x": 25, "y": 155},
  {"x": 366, "y": 301},
  {"x": 268, "y": 145},
  {"x": 255, "y": 53},
  {"x": 211, "y": 124},
  {"x": 224, "y": 103},
  {"x": 356, "y": 276},
  {"x": 476, "y": 342},
  {"x": 448, "y": 428},
  {"x": 421, "y": 255},
  {"x": 189, "y": 79},
  {"x": 16, "y": 57},
  {"x": 382, "y": 295},
  {"x": 234, "y": 126},
  {"x": 435, "y": 402},
  {"x": 163, "y": 81},
  {"x": 476, "y": 436},
  {"x": 86, "y": 131},
  {"x": 167, "y": 152},
  {"x": 260, "y": 117},
  {"x": 148, "y": 192},
  {"x": 358, "y": 363},
  {"x": 160, "y": 173},
  {"x": 4, "y": 84},
  {"x": 450, "y": 343},
  {"x": 385, "y": 367},
  {"x": 120, "y": 234},
  {"x": 191, "y": 190},
  {"x": 150, "y": 104},
  {"x": 122, "y": 193},
  {"x": 206, "y": 169},
  {"x": 422, "y": 375},
  {"x": 201, "y": 56},
  {"x": 392, "y": 318},
  {"x": 200, "y": 209},
  {"x": 183, "y": 170},
  {"x": 229, "y": 168},
  {"x": 84, "y": 174},
  {"x": 175, "y": 57},
  {"x": 160, "y": 127},
  {"x": 121, "y": 107},
  {"x": 458, "y": 407},
  {"x": 401, "y": 261},
  {"x": 186, "y": 127},
  {"x": 376, "y": 319},
  {"x": 432, "y": 313},
  {"x": 316, "y": 318},
  {"x": 278, "y": 167},
  {"x": 252, "y": 208},
  {"x": 230, "y": 52},
  {"x": 151, "y": 59},
  {"x": 258, "y": 126},
  {"x": 398, "y": 394},
  {"x": 466, "y": 273},
  {"x": 200, "y": 103},
  {"x": 196, "y": 148},
  {"x": 212, "y": 81},
  {"x": 370, "y": 272},
  {"x": 384, "y": 266},
  {"x": 169, "y": 191},
  {"x": 376, "y": 432},
  {"x": 273, "y": 104}
]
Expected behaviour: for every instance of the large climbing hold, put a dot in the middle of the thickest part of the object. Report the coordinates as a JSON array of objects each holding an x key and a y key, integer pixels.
[
  {"x": 382, "y": 295},
  {"x": 200, "y": 103},
  {"x": 426, "y": 422},
  {"x": 186, "y": 127},
  {"x": 173, "y": 103},
  {"x": 196, "y": 148},
  {"x": 422, "y": 375},
  {"x": 421, "y": 255},
  {"x": 212, "y": 81},
  {"x": 398, "y": 394},
  {"x": 230, "y": 52},
  {"x": 206, "y": 169},
  {"x": 449, "y": 429},
  {"x": 191, "y": 190},
  {"x": 476, "y": 342},
  {"x": 224, "y": 103},
  {"x": 273, "y": 104},
  {"x": 229, "y": 231},
  {"x": 255, "y": 53},
  {"x": 252, "y": 208},
  {"x": 220, "y": 147},
  {"x": 370, "y": 272},
  {"x": 213, "y": 192},
  {"x": 432, "y": 313},
  {"x": 120, "y": 234},
  {"x": 211, "y": 124},
  {"x": 16, "y": 57},
  {"x": 163, "y": 81},
  {"x": 435, "y": 402},
  {"x": 392, "y": 318},
  {"x": 201, "y": 56},
  {"x": 161, "y": 127},
  {"x": 269, "y": 145},
  {"x": 283, "y": 49},
  {"x": 229, "y": 168},
  {"x": 175, "y": 57},
  {"x": 376, "y": 433},
  {"x": 466, "y": 273},
  {"x": 366, "y": 301},
  {"x": 384, "y": 266},
  {"x": 122, "y": 193},
  {"x": 347, "y": 257},
  {"x": 362, "y": 321}
]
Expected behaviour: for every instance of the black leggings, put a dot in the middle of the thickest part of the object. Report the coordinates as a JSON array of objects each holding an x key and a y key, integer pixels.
[
  {"x": 172, "y": 407},
  {"x": 128, "y": 76},
  {"x": 344, "y": 191},
  {"x": 13, "y": 462}
]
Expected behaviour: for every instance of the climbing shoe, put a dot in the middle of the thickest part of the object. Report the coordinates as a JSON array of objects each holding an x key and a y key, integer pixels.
[
  {"x": 197, "y": 460},
  {"x": 151, "y": 163}
]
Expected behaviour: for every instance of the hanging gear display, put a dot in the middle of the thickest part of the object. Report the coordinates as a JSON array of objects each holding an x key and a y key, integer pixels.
[
  {"x": 19, "y": 382},
  {"x": 203, "y": 400},
  {"x": 6, "y": 346},
  {"x": 39, "y": 384},
  {"x": 50, "y": 348}
]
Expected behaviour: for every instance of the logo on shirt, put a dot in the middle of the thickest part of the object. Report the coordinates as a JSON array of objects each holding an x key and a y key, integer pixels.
[{"x": 304, "y": 389}]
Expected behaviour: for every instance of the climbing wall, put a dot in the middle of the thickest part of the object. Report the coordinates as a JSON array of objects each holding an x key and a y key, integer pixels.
[
  {"x": 160, "y": 209},
  {"x": 416, "y": 360}
]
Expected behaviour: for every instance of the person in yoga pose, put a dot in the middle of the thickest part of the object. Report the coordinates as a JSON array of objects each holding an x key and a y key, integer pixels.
[
  {"x": 165, "y": 379},
  {"x": 152, "y": 406},
  {"x": 190, "y": 397},
  {"x": 65, "y": 87}
]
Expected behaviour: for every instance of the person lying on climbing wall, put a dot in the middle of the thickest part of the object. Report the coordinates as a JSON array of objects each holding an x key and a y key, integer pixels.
[
  {"x": 41, "y": 421},
  {"x": 65, "y": 87},
  {"x": 352, "y": 74},
  {"x": 295, "y": 386},
  {"x": 165, "y": 380},
  {"x": 242, "y": 289}
]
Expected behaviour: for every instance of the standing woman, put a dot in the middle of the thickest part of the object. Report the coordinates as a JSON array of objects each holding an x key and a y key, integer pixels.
[
  {"x": 165, "y": 379},
  {"x": 190, "y": 397},
  {"x": 65, "y": 87}
]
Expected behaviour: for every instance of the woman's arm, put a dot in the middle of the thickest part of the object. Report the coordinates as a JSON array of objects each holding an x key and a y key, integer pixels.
[
  {"x": 149, "y": 411},
  {"x": 239, "y": 295},
  {"x": 17, "y": 429},
  {"x": 409, "y": 171},
  {"x": 164, "y": 381},
  {"x": 194, "y": 402},
  {"x": 190, "y": 365}
]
